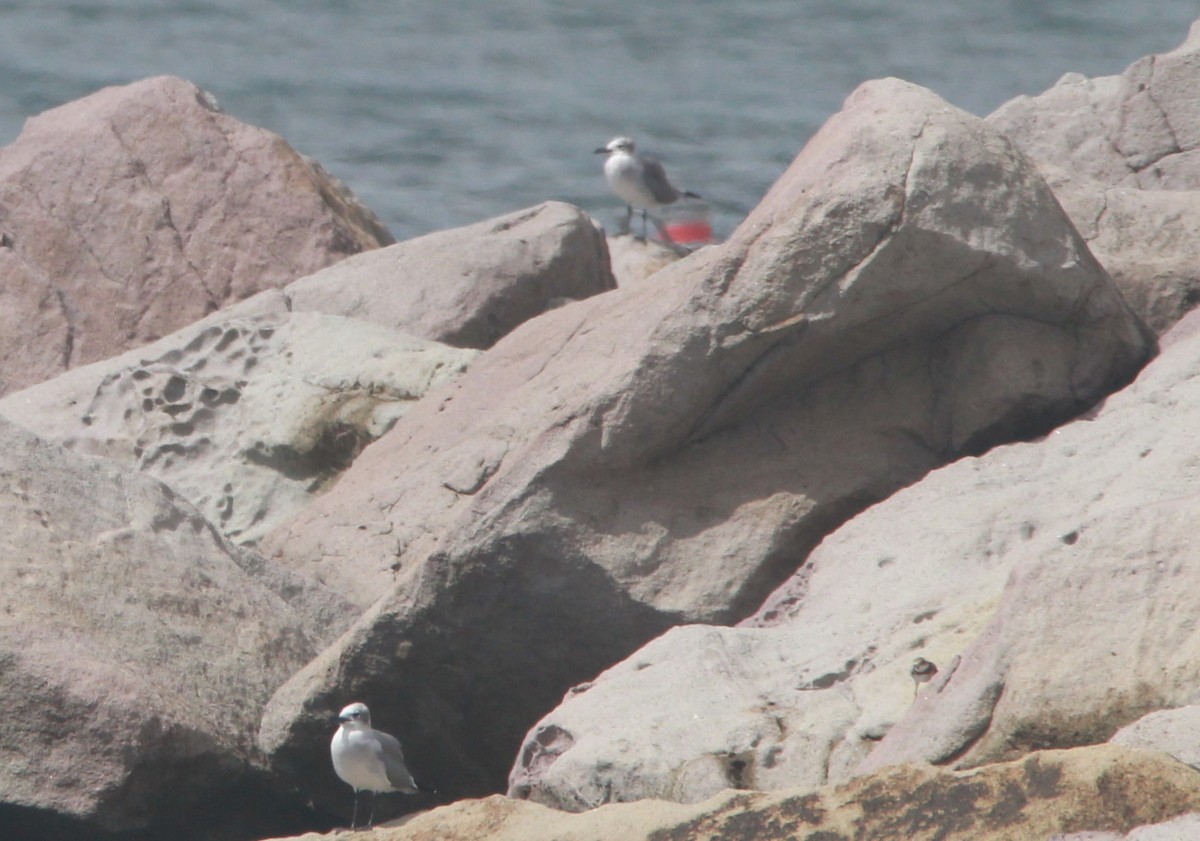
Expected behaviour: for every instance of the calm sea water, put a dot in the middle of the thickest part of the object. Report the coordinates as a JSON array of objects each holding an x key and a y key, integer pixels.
[{"x": 440, "y": 113}]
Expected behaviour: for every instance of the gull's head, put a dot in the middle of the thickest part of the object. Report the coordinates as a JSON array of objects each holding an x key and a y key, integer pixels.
[
  {"x": 623, "y": 145},
  {"x": 355, "y": 716}
]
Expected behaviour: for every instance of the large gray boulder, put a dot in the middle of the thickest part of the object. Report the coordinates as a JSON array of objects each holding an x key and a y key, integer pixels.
[
  {"x": 137, "y": 647},
  {"x": 1099, "y": 574},
  {"x": 468, "y": 286},
  {"x": 250, "y": 413},
  {"x": 140, "y": 209},
  {"x": 1023, "y": 574},
  {"x": 908, "y": 292},
  {"x": 1123, "y": 156}
]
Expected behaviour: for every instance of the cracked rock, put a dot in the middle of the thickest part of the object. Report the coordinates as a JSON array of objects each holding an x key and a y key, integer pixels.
[{"x": 1122, "y": 154}]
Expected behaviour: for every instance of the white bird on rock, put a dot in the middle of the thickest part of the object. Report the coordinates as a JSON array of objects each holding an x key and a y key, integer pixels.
[
  {"x": 368, "y": 760},
  {"x": 640, "y": 181}
]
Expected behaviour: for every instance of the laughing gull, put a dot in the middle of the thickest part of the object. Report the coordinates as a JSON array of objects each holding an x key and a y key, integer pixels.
[
  {"x": 639, "y": 180},
  {"x": 368, "y": 759}
]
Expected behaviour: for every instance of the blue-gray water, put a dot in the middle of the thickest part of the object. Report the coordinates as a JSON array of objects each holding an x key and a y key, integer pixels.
[{"x": 443, "y": 112}]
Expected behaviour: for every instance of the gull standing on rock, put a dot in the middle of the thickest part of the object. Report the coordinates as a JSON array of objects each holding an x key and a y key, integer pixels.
[
  {"x": 639, "y": 180},
  {"x": 367, "y": 759}
]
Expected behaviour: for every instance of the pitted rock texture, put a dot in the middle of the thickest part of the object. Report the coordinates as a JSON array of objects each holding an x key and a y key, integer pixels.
[{"x": 250, "y": 413}]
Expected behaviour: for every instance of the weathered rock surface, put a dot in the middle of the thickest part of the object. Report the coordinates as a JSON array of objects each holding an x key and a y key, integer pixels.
[
  {"x": 1041, "y": 564},
  {"x": 468, "y": 286},
  {"x": 137, "y": 647},
  {"x": 1182, "y": 828},
  {"x": 635, "y": 259},
  {"x": 140, "y": 209},
  {"x": 1174, "y": 731},
  {"x": 1089, "y": 789},
  {"x": 908, "y": 292},
  {"x": 1123, "y": 153},
  {"x": 1099, "y": 586},
  {"x": 249, "y": 413}
]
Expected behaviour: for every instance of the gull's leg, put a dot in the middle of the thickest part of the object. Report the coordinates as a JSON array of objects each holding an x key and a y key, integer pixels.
[
  {"x": 371, "y": 817},
  {"x": 643, "y": 224},
  {"x": 354, "y": 815},
  {"x": 628, "y": 218}
]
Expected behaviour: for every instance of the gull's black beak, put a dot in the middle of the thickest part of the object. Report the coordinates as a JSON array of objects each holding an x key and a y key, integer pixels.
[
  {"x": 336, "y": 720},
  {"x": 601, "y": 151}
]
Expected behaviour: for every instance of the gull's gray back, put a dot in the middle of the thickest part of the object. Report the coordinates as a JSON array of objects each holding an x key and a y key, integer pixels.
[{"x": 655, "y": 178}]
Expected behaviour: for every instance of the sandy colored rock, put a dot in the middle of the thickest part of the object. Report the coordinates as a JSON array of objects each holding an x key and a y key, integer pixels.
[
  {"x": 1123, "y": 155},
  {"x": 139, "y": 209},
  {"x": 468, "y": 286},
  {"x": 1182, "y": 828},
  {"x": 1099, "y": 562},
  {"x": 1098, "y": 788},
  {"x": 1145, "y": 238},
  {"x": 249, "y": 413},
  {"x": 1040, "y": 564},
  {"x": 137, "y": 647},
  {"x": 635, "y": 259},
  {"x": 1174, "y": 731},
  {"x": 908, "y": 292}
]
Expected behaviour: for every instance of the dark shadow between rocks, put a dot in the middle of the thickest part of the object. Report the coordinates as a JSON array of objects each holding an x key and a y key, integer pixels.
[{"x": 487, "y": 688}]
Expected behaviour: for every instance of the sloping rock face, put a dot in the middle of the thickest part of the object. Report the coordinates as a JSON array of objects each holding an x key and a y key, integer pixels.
[
  {"x": 908, "y": 292},
  {"x": 1099, "y": 587},
  {"x": 139, "y": 209},
  {"x": 469, "y": 286},
  {"x": 249, "y": 413},
  {"x": 1038, "y": 566},
  {"x": 1123, "y": 153},
  {"x": 137, "y": 648},
  {"x": 1086, "y": 790}
]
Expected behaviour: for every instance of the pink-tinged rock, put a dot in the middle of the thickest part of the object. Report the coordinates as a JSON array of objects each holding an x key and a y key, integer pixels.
[
  {"x": 468, "y": 286},
  {"x": 1123, "y": 156},
  {"x": 909, "y": 291},
  {"x": 139, "y": 209},
  {"x": 137, "y": 648}
]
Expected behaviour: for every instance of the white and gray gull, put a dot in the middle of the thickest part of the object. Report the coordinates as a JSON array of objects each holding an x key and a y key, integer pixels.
[
  {"x": 640, "y": 181},
  {"x": 368, "y": 759}
]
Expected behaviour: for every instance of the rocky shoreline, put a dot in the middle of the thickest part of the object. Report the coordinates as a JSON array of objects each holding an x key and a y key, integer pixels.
[{"x": 653, "y": 542}]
